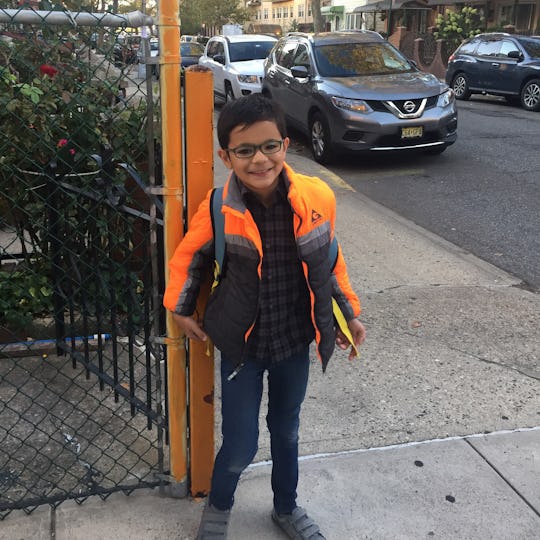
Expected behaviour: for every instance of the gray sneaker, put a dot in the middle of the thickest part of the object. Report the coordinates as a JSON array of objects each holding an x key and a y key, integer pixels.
[
  {"x": 298, "y": 525},
  {"x": 214, "y": 523}
]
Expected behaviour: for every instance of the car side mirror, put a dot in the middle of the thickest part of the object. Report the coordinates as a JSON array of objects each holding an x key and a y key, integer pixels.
[
  {"x": 515, "y": 54},
  {"x": 300, "y": 72},
  {"x": 219, "y": 58}
]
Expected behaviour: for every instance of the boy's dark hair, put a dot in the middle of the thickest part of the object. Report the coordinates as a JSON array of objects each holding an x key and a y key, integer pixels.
[{"x": 246, "y": 111}]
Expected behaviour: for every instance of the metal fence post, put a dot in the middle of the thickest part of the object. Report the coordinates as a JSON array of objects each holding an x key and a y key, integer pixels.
[
  {"x": 169, "y": 24},
  {"x": 198, "y": 106}
]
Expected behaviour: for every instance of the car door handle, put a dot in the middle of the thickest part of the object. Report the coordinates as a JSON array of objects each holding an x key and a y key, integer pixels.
[
  {"x": 287, "y": 82},
  {"x": 495, "y": 64}
]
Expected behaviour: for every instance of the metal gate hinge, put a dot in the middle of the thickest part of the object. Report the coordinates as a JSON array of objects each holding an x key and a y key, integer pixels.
[{"x": 165, "y": 340}]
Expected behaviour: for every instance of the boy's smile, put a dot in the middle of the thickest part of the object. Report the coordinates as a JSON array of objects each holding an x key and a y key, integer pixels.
[{"x": 259, "y": 173}]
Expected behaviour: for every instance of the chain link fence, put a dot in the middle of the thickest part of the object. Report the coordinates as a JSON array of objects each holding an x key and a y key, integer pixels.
[{"x": 82, "y": 375}]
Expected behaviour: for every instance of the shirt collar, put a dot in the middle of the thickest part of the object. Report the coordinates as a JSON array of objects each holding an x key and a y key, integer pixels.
[{"x": 247, "y": 195}]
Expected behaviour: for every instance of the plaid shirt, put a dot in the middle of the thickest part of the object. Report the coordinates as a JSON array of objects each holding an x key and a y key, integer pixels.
[{"x": 283, "y": 325}]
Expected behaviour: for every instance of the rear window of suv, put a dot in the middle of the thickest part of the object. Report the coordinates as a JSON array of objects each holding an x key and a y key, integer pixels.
[{"x": 353, "y": 59}]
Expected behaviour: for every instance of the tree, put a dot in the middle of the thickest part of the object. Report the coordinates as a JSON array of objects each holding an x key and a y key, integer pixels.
[
  {"x": 318, "y": 19},
  {"x": 456, "y": 26},
  {"x": 210, "y": 13}
]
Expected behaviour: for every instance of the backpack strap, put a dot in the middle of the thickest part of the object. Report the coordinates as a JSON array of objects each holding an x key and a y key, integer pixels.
[
  {"x": 333, "y": 253},
  {"x": 218, "y": 230}
]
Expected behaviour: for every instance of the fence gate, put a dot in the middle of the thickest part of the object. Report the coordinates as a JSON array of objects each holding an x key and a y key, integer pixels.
[{"x": 82, "y": 380}]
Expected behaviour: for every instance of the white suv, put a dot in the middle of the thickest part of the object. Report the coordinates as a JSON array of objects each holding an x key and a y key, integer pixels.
[{"x": 237, "y": 63}]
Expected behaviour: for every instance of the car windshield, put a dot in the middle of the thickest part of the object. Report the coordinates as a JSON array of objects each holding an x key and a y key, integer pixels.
[
  {"x": 191, "y": 48},
  {"x": 249, "y": 50},
  {"x": 532, "y": 46},
  {"x": 353, "y": 59}
]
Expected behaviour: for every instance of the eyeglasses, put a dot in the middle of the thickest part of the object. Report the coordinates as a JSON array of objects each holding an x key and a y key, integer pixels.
[{"x": 246, "y": 151}]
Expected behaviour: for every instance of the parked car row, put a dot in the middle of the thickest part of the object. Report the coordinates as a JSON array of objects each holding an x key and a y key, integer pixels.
[{"x": 354, "y": 91}]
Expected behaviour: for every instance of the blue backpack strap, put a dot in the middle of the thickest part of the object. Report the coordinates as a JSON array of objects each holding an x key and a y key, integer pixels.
[
  {"x": 218, "y": 229},
  {"x": 333, "y": 253}
]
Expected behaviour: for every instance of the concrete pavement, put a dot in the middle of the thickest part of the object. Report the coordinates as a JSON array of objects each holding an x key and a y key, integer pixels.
[{"x": 432, "y": 434}]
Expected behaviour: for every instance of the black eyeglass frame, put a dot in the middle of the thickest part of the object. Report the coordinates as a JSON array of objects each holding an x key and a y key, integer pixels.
[{"x": 256, "y": 148}]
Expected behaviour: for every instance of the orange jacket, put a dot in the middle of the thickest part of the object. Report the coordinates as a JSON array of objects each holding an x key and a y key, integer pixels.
[{"x": 232, "y": 308}]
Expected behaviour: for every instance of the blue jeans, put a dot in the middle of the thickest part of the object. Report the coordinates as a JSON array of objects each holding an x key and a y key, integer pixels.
[{"x": 240, "y": 404}]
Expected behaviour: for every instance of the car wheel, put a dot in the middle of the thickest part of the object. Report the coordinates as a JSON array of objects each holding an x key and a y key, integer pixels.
[
  {"x": 530, "y": 95},
  {"x": 460, "y": 86},
  {"x": 321, "y": 146},
  {"x": 229, "y": 94}
]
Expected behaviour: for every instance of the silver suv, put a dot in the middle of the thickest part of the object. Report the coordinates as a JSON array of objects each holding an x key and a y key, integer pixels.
[{"x": 354, "y": 91}]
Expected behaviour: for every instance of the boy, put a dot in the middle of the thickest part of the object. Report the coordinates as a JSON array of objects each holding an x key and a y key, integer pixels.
[{"x": 274, "y": 297}]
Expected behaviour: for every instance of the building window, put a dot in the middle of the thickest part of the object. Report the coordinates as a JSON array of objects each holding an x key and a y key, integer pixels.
[
  {"x": 309, "y": 9},
  {"x": 265, "y": 13},
  {"x": 279, "y": 13},
  {"x": 354, "y": 21},
  {"x": 300, "y": 10}
]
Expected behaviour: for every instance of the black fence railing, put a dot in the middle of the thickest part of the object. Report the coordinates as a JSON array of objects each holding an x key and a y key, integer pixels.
[{"x": 82, "y": 377}]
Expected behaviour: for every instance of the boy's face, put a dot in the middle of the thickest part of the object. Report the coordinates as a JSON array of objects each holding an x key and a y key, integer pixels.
[{"x": 259, "y": 173}]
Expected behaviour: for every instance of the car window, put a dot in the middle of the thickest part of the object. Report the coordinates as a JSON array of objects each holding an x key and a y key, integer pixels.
[
  {"x": 211, "y": 50},
  {"x": 532, "y": 46},
  {"x": 191, "y": 48},
  {"x": 220, "y": 49},
  {"x": 352, "y": 59},
  {"x": 468, "y": 48},
  {"x": 287, "y": 54},
  {"x": 249, "y": 50},
  {"x": 506, "y": 47},
  {"x": 301, "y": 57},
  {"x": 489, "y": 48}
]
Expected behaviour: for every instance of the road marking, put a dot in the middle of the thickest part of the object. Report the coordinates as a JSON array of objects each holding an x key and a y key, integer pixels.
[
  {"x": 339, "y": 182},
  {"x": 335, "y": 179}
]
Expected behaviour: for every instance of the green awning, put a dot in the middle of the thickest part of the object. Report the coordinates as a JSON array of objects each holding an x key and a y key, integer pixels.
[{"x": 333, "y": 10}]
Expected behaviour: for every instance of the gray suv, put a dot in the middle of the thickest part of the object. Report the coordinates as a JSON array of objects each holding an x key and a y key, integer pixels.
[{"x": 354, "y": 91}]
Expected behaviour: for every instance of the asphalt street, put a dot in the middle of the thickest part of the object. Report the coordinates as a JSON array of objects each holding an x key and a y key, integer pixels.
[{"x": 482, "y": 194}]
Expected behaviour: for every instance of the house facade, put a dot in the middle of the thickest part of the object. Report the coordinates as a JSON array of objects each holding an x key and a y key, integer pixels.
[{"x": 519, "y": 16}]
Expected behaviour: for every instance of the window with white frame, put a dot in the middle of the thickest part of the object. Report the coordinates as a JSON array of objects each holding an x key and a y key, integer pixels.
[
  {"x": 300, "y": 10},
  {"x": 309, "y": 9},
  {"x": 279, "y": 13},
  {"x": 265, "y": 13},
  {"x": 353, "y": 21}
]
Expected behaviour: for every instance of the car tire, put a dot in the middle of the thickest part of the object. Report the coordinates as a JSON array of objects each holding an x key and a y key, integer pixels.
[
  {"x": 460, "y": 86},
  {"x": 229, "y": 94},
  {"x": 319, "y": 134},
  {"x": 530, "y": 95}
]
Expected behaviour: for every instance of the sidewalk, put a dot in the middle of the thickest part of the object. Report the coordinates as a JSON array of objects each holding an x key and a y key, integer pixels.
[{"x": 388, "y": 444}]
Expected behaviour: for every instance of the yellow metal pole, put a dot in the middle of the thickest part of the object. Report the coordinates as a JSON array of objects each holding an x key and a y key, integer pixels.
[
  {"x": 198, "y": 112},
  {"x": 171, "y": 121}
]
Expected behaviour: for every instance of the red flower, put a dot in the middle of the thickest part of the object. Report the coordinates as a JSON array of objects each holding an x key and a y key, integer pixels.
[
  {"x": 46, "y": 69},
  {"x": 61, "y": 142}
]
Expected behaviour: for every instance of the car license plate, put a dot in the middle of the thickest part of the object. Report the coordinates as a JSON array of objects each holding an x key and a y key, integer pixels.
[{"x": 412, "y": 132}]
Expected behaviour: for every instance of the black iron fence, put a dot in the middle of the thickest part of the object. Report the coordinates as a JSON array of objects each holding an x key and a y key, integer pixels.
[{"x": 82, "y": 374}]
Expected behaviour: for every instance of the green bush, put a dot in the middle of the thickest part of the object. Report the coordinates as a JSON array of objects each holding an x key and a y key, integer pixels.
[
  {"x": 60, "y": 106},
  {"x": 456, "y": 26}
]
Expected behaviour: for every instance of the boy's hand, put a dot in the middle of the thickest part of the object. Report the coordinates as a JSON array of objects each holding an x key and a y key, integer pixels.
[
  {"x": 191, "y": 328},
  {"x": 358, "y": 334}
]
